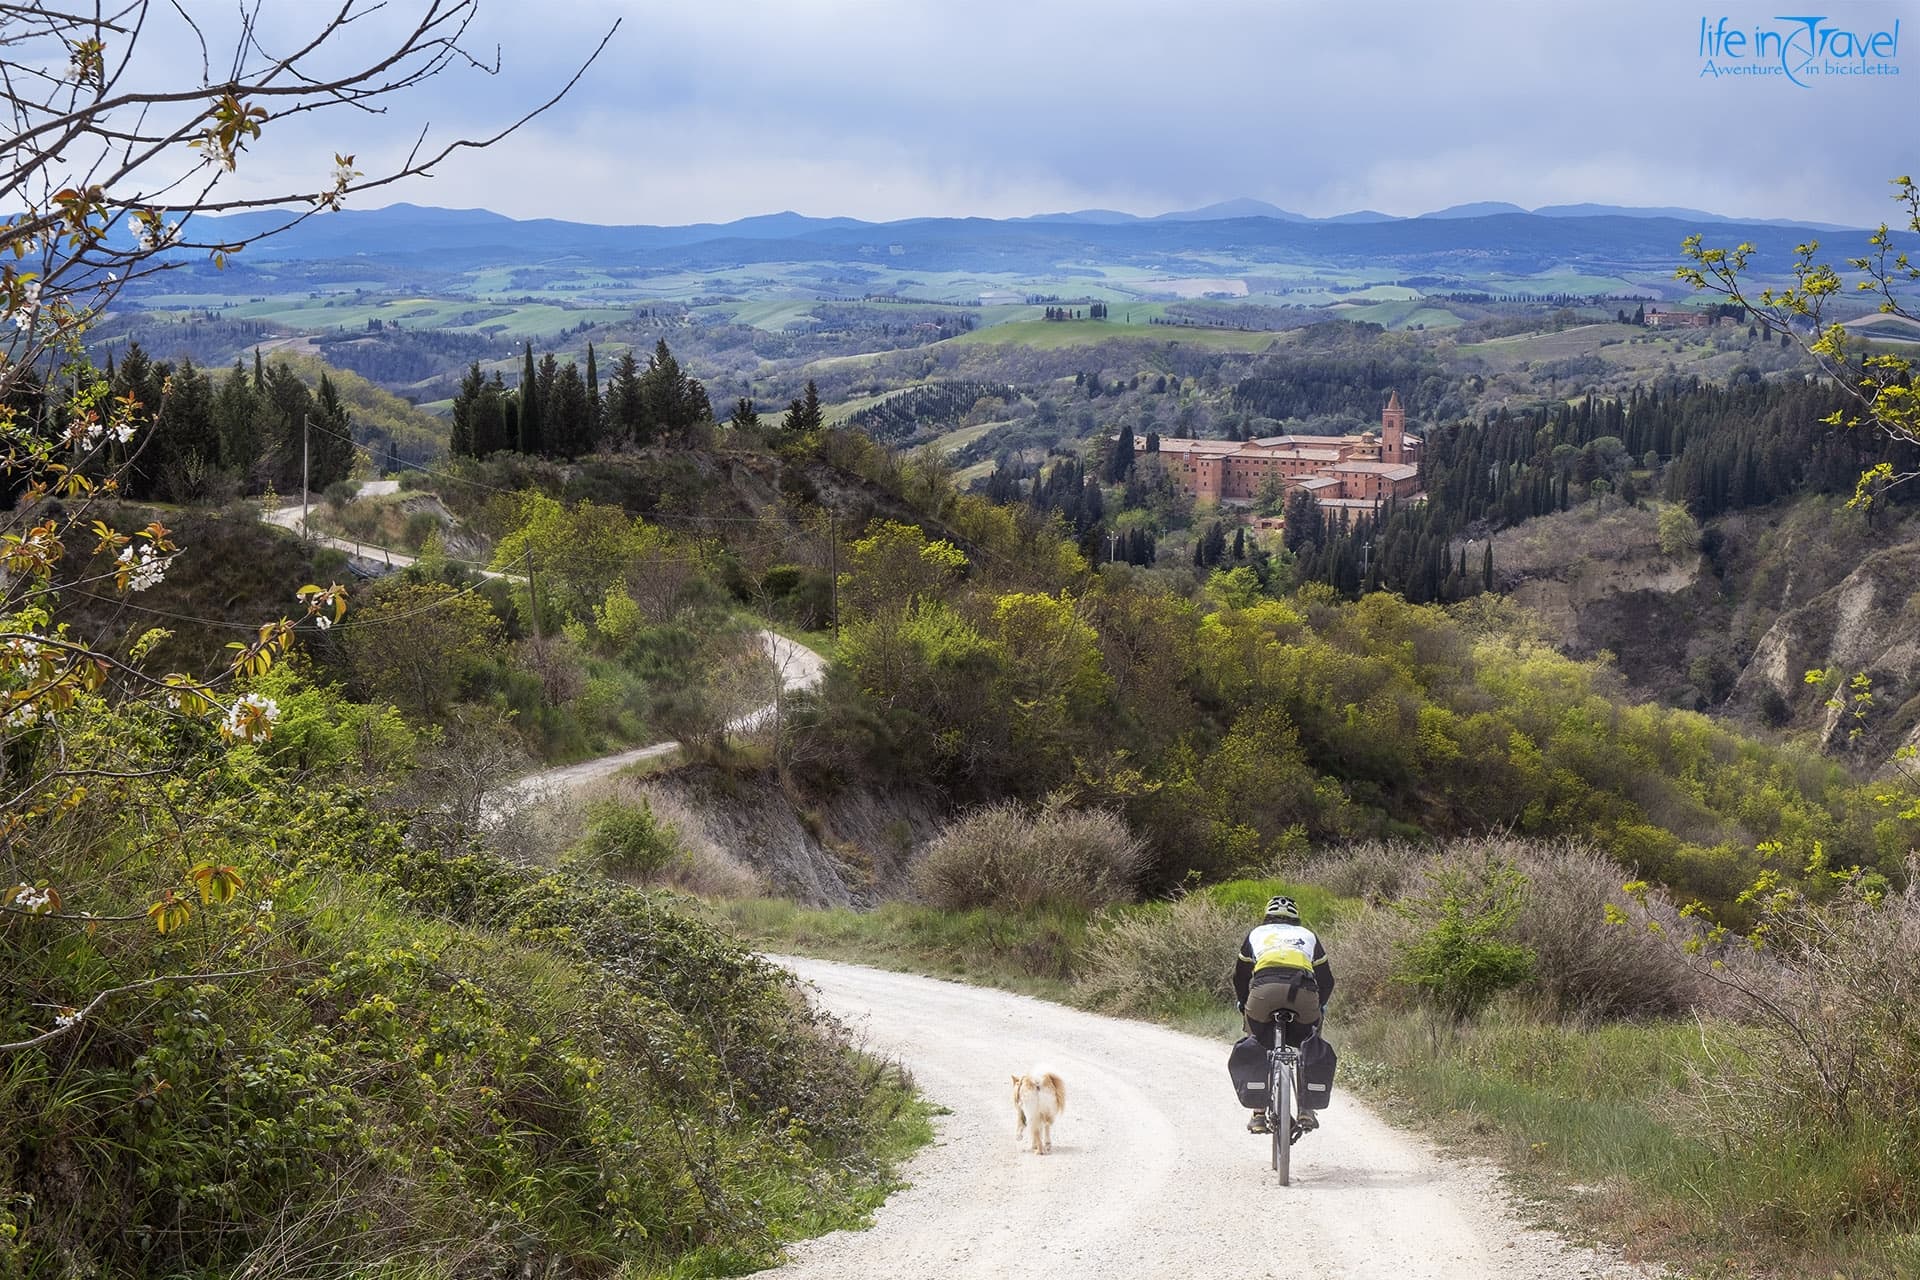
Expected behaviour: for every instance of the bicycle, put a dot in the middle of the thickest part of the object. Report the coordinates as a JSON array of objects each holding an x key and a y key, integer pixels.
[{"x": 1285, "y": 1087}]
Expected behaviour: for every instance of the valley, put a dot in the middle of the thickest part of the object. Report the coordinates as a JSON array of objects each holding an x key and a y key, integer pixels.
[{"x": 558, "y": 725}]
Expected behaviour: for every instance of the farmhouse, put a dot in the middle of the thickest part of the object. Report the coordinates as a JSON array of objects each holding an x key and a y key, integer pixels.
[
  {"x": 1352, "y": 473},
  {"x": 1657, "y": 319}
]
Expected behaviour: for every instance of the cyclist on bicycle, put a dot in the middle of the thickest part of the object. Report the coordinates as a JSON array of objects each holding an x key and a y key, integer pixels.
[{"x": 1282, "y": 966}]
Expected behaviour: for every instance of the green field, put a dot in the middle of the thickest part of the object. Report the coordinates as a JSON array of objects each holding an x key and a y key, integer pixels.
[
  {"x": 1397, "y": 314},
  {"x": 961, "y": 437},
  {"x": 1055, "y": 335}
]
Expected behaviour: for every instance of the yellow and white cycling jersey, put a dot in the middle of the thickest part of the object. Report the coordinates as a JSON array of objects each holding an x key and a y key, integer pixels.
[{"x": 1290, "y": 946}]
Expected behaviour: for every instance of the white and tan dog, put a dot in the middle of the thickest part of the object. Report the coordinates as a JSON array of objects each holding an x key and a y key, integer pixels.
[{"x": 1038, "y": 1099}]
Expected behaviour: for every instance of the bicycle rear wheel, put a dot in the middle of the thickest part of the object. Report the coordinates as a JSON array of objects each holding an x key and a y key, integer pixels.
[{"x": 1280, "y": 1119}]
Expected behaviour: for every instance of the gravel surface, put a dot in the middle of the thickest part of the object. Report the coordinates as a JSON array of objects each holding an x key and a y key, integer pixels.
[
  {"x": 1152, "y": 1173},
  {"x": 799, "y": 668}
]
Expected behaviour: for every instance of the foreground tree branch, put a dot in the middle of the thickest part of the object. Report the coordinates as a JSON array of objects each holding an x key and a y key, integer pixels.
[
  {"x": 107, "y": 168},
  {"x": 1880, "y": 383}
]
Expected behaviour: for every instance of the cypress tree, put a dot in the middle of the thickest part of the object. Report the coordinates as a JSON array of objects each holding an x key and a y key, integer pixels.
[
  {"x": 462, "y": 442},
  {"x": 532, "y": 427},
  {"x": 1120, "y": 461},
  {"x": 595, "y": 426},
  {"x": 330, "y": 437}
]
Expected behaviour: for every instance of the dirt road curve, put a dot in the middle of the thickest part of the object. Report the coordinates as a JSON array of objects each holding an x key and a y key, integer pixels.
[
  {"x": 1152, "y": 1172},
  {"x": 798, "y": 666}
]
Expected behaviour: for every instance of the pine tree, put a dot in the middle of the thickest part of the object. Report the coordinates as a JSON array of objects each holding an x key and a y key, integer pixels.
[
  {"x": 569, "y": 425},
  {"x": 803, "y": 415},
  {"x": 745, "y": 417},
  {"x": 626, "y": 403},
  {"x": 236, "y": 421}
]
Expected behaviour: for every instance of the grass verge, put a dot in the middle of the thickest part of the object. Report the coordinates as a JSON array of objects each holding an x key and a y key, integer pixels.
[{"x": 1596, "y": 1124}]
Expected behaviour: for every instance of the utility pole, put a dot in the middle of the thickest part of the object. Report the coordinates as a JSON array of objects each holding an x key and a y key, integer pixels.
[
  {"x": 303, "y": 475},
  {"x": 533, "y": 601},
  {"x": 833, "y": 563}
]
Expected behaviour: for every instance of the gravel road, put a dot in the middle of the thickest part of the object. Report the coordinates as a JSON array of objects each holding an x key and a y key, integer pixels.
[
  {"x": 799, "y": 668},
  {"x": 1152, "y": 1173}
]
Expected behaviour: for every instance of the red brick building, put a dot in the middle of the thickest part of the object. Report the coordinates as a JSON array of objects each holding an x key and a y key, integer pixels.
[{"x": 1352, "y": 472}]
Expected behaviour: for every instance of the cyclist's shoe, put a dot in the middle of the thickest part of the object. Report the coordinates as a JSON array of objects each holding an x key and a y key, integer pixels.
[
  {"x": 1258, "y": 1124},
  {"x": 1307, "y": 1121}
]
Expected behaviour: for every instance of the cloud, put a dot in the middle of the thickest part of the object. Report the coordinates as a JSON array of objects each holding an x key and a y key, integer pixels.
[{"x": 725, "y": 108}]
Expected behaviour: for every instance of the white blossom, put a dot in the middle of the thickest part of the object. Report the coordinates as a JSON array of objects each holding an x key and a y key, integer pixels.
[
  {"x": 23, "y": 716},
  {"x": 28, "y": 898},
  {"x": 147, "y": 569},
  {"x": 323, "y": 621},
  {"x": 266, "y": 906},
  {"x": 251, "y": 719},
  {"x": 151, "y": 235},
  {"x": 66, "y": 1018},
  {"x": 22, "y": 312}
]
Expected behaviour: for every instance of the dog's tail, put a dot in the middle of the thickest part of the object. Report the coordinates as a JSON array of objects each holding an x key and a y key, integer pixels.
[{"x": 1059, "y": 1087}]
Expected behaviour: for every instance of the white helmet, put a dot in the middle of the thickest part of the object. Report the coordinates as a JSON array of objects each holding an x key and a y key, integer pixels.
[{"x": 1283, "y": 908}]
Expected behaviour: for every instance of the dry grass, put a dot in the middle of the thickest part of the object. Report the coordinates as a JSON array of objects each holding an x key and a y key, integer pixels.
[
  {"x": 1005, "y": 856},
  {"x": 1159, "y": 958},
  {"x": 1584, "y": 966},
  {"x": 544, "y": 832}
]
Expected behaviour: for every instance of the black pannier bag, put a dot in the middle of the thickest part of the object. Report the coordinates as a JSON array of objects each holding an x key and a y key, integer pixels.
[
  {"x": 1247, "y": 1064},
  {"x": 1317, "y": 1063}
]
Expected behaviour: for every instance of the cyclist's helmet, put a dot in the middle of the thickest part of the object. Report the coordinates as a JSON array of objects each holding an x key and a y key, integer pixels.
[{"x": 1283, "y": 908}]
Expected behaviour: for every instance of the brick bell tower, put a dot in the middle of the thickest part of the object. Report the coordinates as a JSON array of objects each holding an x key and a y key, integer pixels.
[{"x": 1393, "y": 430}]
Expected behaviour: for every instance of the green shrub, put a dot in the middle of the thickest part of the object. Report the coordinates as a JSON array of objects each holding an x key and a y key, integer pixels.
[
  {"x": 420, "y": 526},
  {"x": 1004, "y": 856},
  {"x": 1456, "y": 953},
  {"x": 625, "y": 841},
  {"x": 340, "y": 493},
  {"x": 436, "y": 1064}
]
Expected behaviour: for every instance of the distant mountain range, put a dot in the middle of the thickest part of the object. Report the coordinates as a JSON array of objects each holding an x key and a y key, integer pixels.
[
  {"x": 1448, "y": 248},
  {"x": 1245, "y": 208}
]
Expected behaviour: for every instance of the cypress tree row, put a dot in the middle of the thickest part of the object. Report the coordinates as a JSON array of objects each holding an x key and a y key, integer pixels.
[{"x": 558, "y": 411}]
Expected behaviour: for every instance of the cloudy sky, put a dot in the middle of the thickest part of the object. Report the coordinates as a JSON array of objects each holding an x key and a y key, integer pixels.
[{"x": 706, "y": 110}]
